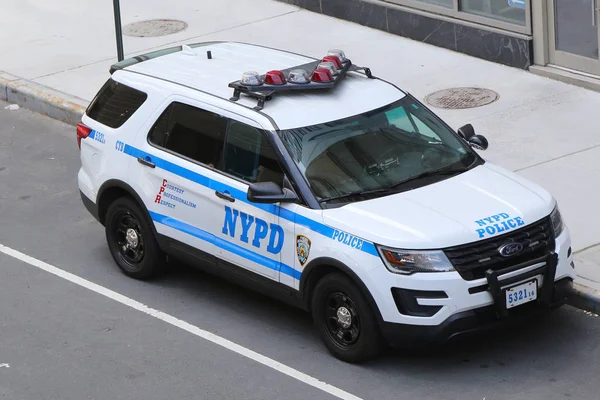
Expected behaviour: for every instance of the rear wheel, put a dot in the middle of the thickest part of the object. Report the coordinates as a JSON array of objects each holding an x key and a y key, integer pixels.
[
  {"x": 131, "y": 240},
  {"x": 344, "y": 320}
]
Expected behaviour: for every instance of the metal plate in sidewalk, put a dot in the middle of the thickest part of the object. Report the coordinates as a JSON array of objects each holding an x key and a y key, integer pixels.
[
  {"x": 154, "y": 27},
  {"x": 460, "y": 98}
]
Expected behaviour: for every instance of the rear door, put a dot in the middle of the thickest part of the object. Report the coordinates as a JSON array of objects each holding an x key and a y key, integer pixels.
[{"x": 173, "y": 173}]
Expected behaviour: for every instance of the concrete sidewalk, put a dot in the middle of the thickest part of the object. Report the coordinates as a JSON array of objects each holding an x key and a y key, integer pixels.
[{"x": 57, "y": 53}]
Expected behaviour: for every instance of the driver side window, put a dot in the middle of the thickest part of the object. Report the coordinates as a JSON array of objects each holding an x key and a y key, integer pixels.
[{"x": 248, "y": 155}]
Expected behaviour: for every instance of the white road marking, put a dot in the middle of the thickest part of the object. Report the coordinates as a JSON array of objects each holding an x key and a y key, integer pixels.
[
  {"x": 211, "y": 337},
  {"x": 4, "y": 365}
]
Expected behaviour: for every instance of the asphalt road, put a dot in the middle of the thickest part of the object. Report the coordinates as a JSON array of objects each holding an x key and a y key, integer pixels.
[{"x": 63, "y": 341}]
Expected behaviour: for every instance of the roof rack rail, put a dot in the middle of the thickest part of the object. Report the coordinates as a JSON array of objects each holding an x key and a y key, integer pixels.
[
  {"x": 157, "y": 53},
  {"x": 264, "y": 90}
]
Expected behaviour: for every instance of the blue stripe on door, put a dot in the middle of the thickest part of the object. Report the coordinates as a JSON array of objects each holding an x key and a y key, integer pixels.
[{"x": 225, "y": 245}]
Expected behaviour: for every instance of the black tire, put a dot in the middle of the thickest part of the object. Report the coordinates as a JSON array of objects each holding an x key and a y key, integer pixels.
[
  {"x": 143, "y": 261},
  {"x": 361, "y": 341}
]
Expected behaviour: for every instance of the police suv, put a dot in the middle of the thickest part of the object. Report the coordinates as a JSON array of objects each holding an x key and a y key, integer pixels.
[{"x": 318, "y": 183}]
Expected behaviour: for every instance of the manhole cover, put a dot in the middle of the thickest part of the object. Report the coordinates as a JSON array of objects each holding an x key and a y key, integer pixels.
[
  {"x": 154, "y": 27},
  {"x": 458, "y": 98}
]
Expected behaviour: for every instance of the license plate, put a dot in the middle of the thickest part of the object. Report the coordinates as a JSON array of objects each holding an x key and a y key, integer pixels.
[{"x": 521, "y": 294}]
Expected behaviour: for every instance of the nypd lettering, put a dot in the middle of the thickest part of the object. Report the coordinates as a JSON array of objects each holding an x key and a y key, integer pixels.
[
  {"x": 251, "y": 229},
  {"x": 166, "y": 190},
  {"x": 497, "y": 224},
  {"x": 347, "y": 239}
]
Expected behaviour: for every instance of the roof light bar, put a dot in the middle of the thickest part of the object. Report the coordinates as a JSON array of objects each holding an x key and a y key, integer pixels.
[
  {"x": 298, "y": 75},
  {"x": 251, "y": 78},
  {"x": 275, "y": 78},
  {"x": 333, "y": 59},
  {"x": 328, "y": 66},
  {"x": 322, "y": 75},
  {"x": 325, "y": 73},
  {"x": 337, "y": 53}
]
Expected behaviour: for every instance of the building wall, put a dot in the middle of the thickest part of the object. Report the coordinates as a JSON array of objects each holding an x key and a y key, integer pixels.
[{"x": 478, "y": 40}]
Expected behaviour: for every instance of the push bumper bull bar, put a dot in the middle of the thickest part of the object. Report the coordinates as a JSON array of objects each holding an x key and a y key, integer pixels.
[{"x": 498, "y": 287}]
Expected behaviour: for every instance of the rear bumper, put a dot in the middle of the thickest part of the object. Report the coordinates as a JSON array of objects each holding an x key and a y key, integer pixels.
[
  {"x": 478, "y": 320},
  {"x": 90, "y": 205}
]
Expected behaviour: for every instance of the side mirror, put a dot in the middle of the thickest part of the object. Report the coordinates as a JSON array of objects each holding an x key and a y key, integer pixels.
[
  {"x": 467, "y": 131},
  {"x": 270, "y": 192},
  {"x": 478, "y": 142}
]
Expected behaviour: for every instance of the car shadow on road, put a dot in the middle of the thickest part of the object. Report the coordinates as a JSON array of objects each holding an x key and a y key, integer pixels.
[{"x": 499, "y": 348}]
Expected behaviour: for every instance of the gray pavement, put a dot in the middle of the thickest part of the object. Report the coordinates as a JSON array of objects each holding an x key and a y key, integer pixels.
[{"x": 62, "y": 341}]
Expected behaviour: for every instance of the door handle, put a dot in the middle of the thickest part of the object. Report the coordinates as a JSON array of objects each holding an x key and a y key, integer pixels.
[
  {"x": 145, "y": 162},
  {"x": 594, "y": 12},
  {"x": 224, "y": 196}
]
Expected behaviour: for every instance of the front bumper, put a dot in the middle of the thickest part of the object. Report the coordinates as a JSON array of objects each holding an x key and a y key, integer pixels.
[
  {"x": 438, "y": 306},
  {"x": 551, "y": 295}
]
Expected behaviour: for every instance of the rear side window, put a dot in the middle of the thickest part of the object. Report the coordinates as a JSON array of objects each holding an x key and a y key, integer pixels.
[
  {"x": 191, "y": 132},
  {"x": 115, "y": 103}
]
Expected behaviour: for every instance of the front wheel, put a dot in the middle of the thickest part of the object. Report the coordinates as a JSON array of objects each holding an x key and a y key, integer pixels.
[
  {"x": 131, "y": 240},
  {"x": 344, "y": 319}
]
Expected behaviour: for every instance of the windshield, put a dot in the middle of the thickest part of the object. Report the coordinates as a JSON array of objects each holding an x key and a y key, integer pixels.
[{"x": 383, "y": 151}]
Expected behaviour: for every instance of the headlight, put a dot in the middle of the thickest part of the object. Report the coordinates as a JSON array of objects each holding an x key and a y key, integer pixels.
[
  {"x": 557, "y": 222},
  {"x": 409, "y": 261}
]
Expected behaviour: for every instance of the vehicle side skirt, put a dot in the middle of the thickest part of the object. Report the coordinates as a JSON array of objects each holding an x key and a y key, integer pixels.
[{"x": 240, "y": 276}]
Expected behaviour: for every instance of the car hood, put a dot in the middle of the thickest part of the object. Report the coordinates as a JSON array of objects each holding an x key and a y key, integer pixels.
[{"x": 483, "y": 202}]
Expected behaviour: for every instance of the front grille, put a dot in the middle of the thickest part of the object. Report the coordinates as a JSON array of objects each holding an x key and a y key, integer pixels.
[{"x": 473, "y": 259}]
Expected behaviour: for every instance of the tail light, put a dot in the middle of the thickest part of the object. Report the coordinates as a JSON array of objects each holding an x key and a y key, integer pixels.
[{"x": 83, "y": 131}]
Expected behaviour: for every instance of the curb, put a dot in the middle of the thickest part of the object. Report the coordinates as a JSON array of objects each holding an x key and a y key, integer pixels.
[
  {"x": 41, "y": 99},
  {"x": 585, "y": 298}
]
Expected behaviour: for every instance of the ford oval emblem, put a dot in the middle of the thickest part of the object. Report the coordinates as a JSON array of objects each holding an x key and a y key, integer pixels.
[{"x": 510, "y": 249}]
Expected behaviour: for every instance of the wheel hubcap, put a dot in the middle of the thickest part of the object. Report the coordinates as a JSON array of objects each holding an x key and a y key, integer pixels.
[
  {"x": 132, "y": 238},
  {"x": 130, "y": 241},
  {"x": 342, "y": 320},
  {"x": 344, "y": 317}
]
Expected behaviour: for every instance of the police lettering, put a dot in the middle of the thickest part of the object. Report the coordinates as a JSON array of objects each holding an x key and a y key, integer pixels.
[
  {"x": 497, "y": 223},
  {"x": 347, "y": 239},
  {"x": 253, "y": 230}
]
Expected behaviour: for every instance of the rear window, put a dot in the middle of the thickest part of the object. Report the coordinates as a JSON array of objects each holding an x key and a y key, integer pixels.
[{"x": 115, "y": 103}]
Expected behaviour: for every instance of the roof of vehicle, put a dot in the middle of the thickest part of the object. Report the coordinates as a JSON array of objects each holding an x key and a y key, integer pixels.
[{"x": 354, "y": 95}]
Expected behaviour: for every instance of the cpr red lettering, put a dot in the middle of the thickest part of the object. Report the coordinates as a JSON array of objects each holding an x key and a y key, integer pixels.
[{"x": 157, "y": 198}]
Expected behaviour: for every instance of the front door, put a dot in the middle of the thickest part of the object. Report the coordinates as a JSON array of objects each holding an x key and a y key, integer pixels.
[
  {"x": 574, "y": 35},
  {"x": 249, "y": 235}
]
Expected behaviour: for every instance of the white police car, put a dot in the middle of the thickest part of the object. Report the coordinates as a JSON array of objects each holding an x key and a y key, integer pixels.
[{"x": 313, "y": 181}]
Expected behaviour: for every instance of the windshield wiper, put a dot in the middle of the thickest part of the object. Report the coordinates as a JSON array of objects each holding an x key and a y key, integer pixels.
[
  {"x": 384, "y": 189},
  {"x": 355, "y": 193},
  {"x": 426, "y": 174}
]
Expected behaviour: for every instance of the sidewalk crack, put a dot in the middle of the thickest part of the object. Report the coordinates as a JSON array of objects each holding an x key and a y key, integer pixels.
[
  {"x": 557, "y": 158},
  {"x": 586, "y": 248}
]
